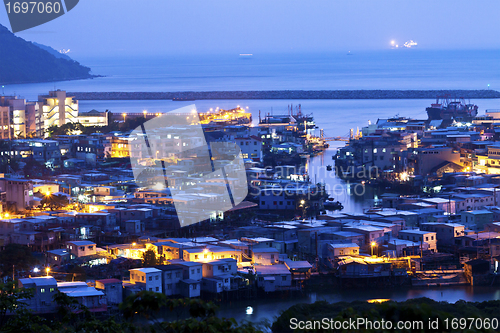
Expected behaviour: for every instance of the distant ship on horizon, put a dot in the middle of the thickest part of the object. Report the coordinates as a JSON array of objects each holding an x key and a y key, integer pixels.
[{"x": 408, "y": 44}]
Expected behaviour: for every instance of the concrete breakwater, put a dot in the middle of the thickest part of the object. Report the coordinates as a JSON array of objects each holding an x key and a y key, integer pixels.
[{"x": 287, "y": 94}]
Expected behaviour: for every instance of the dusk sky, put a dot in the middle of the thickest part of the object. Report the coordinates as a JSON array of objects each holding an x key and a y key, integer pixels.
[{"x": 132, "y": 27}]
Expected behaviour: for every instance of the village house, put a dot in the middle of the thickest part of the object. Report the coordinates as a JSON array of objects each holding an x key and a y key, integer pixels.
[
  {"x": 93, "y": 299},
  {"x": 58, "y": 257},
  {"x": 273, "y": 277},
  {"x": 80, "y": 248},
  {"x": 113, "y": 290},
  {"x": 420, "y": 236},
  {"x": 190, "y": 285},
  {"x": 44, "y": 289},
  {"x": 477, "y": 219},
  {"x": 342, "y": 249},
  {"x": 149, "y": 278},
  {"x": 445, "y": 232},
  {"x": 265, "y": 256},
  {"x": 171, "y": 276}
]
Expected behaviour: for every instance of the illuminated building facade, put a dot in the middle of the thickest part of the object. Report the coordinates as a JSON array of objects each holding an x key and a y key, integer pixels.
[
  {"x": 116, "y": 147},
  {"x": 93, "y": 118},
  {"x": 17, "y": 117},
  {"x": 56, "y": 108}
]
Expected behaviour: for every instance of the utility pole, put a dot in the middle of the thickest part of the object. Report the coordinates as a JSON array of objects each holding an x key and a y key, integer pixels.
[
  {"x": 449, "y": 207},
  {"x": 421, "y": 245},
  {"x": 495, "y": 195},
  {"x": 477, "y": 244}
]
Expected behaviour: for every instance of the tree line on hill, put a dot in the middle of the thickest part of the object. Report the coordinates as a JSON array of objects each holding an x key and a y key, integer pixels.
[{"x": 24, "y": 62}]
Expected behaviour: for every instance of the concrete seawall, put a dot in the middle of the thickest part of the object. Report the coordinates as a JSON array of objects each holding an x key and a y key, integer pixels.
[{"x": 287, "y": 94}]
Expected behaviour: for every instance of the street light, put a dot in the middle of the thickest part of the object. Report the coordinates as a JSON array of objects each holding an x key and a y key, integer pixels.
[
  {"x": 124, "y": 115},
  {"x": 47, "y": 270},
  {"x": 373, "y": 244},
  {"x": 145, "y": 112}
]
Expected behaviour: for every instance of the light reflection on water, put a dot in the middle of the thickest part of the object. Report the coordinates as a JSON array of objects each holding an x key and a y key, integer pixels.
[{"x": 271, "y": 307}]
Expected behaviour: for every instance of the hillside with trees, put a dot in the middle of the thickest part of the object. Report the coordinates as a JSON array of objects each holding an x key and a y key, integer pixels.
[{"x": 24, "y": 62}]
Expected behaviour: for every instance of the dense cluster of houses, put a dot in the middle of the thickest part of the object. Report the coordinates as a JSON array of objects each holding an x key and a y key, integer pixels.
[
  {"x": 422, "y": 150},
  {"x": 188, "y": 268},
  {"x": 92, "y": 212}
]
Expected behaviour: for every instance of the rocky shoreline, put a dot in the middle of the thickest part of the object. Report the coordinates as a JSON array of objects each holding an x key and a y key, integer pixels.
[{"x": 287, "y": 94}]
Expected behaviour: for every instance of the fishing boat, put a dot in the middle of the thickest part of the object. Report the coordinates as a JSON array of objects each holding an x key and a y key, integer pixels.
[
  {"x": 329, "y": 204},
  {"x": 447, "y": 108}
]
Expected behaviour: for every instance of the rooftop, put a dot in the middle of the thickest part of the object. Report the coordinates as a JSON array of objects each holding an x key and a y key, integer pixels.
[
  {"x": 39, "y": 281},
  {"x": 108, "y": 281},
  {"x": 272, "y": 270},
  {"x": 146, "y": 270},
  {"x": 342, "y": 245},
  {"x": 81, "y": 243}
]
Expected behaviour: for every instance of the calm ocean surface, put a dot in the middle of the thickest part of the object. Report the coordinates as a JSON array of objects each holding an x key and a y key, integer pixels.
[{"x": 391, "y": 69}]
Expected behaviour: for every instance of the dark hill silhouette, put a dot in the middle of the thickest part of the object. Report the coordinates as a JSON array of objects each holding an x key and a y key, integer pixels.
[{"x": 24, "y": 62}]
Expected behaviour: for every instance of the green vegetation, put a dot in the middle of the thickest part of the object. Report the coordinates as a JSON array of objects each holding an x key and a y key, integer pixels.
[
  {"x": 149, "y": 258},
  {"x": 142, "y": 312},
  {"x": 34, "y": 169},
  {"x": 77, "y": 128},
  {"x": 420, "y": 309},
  {"x": 72, "y": 317},
  {"x": 24, "y": 62},
  {"x": 17, "y": 257},
  {"x": 54, "y": 202}
]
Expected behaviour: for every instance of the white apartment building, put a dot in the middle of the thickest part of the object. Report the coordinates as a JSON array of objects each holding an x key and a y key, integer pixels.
[
  {"x": 149, "y": 277},
  {"x": 56, "y": 108}
]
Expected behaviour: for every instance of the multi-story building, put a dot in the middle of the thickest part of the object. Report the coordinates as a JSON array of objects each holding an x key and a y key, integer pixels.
[
  {"x": 437, "y": 160},
  {"x": 44, "y": 289},
  {"x": 420, "y": 236},
  {"x": 190, "y": 285},
  {"x": 172, "y": 275},
  {"x": 18, "y": 193},
  {"x": 57, "y": 109},
  {"x": 90, "y": 148},
  {"x": 116, "y": 146},
  {"x": 445, "y": 232},
  {"x": 17, "y": 117},
  {"x": 148, "y": 277},
  {"x": 218, "y": 275},
  {"x": 251, "y": 147},
  {"x": 5, "y": 126}
]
